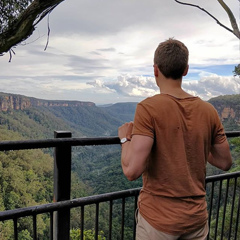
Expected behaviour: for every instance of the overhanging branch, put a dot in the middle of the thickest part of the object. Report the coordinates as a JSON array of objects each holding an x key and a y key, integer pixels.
[
  {"x": 231, "y": 18},
  {"x": 24, "y": 25},
  {"x": 218, "y": 22}
]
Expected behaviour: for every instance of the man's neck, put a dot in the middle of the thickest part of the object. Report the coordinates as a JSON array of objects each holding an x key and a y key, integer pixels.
[{"x": 173, "y": 87}]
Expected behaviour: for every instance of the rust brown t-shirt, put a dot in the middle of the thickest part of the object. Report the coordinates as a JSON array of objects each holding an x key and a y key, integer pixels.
[{"x": 173, "y": 195}]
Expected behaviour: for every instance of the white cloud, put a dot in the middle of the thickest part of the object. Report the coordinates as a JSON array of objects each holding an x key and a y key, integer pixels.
[
  {"x": 135, "y": 86},
  {"x": 127, "y": 85},
  {"x": 212, "y": 86}
]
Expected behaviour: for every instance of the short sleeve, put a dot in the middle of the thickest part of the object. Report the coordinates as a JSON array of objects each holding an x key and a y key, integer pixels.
[{"x": 143, "y": 122}]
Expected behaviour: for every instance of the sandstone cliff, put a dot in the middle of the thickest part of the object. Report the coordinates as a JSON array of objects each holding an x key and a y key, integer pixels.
[
  {"x": 19, "y": 102},
  {"x": 228, "y": 107}
]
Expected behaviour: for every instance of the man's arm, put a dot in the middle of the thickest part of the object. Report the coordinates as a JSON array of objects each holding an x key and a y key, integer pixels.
[
  {"x": 135, "y": 153},
  {"x": 220, "y": 156}
]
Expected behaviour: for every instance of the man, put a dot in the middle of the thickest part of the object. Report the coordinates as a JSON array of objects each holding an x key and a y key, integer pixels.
[{"x": 173, "y": 136}]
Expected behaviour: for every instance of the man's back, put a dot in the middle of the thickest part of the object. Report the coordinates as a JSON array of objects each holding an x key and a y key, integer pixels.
[
  {"x": 183, "y": 131},
  {"x": 174, "y": 179}
]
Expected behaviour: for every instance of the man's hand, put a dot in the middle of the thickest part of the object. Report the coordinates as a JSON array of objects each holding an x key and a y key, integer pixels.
[{"x": 125, "y": 131}]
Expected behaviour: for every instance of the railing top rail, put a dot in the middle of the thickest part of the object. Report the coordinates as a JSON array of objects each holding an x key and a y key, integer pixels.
[
  {"x": 233, "y": 134},
  {"x": 50, "y": 207},
  {"x": 57, "y": 142},
  {"x": 222, "y": 176}
]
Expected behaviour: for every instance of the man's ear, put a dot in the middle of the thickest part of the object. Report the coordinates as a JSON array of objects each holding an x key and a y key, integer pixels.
[
  {"x": 186, "y": 71},
  {"x": 155, "y": 70}
]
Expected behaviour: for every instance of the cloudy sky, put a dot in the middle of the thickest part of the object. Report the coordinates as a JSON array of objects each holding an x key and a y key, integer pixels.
[{"x": 102, "y": 51}]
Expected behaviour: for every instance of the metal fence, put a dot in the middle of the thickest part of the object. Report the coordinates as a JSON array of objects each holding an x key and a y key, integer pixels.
[{"x": 223, "y": 213}]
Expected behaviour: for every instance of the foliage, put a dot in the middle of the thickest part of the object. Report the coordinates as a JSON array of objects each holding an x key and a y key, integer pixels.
[
  {"x": 236, "y": 71},
  {"x": 26, "y": 179},
  {"x": 102, "y": 169},
  {"x": 124, "y": 111},
  {"x": 32, "y": 180},
  {"x": 19, "y": 19},
  {"x": 10, "y": 10},
  {"x": 226, "y": 100},
  {"x": 75, "y": 234},
  {"x": 26, "y": 176},
  {"x": 92, "y": 121},
  {"x": 6, "y": 232},
  {"x": 235, "y": 151},
  {"x": 31, "y": 123},
  {"x": 24, "y": 234}
]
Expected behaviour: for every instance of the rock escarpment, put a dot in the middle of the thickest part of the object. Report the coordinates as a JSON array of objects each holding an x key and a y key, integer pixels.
[{"x": 10, "y": 102}]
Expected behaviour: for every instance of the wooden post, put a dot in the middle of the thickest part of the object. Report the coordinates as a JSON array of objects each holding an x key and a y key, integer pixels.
[{"x": 62, "y": 187}]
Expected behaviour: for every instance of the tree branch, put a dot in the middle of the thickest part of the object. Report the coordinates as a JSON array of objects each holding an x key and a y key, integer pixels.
[
  {"x": 202, "y": 9},
  {"x": 24, "y": 25},
  {"x": 232, "y": 19}
]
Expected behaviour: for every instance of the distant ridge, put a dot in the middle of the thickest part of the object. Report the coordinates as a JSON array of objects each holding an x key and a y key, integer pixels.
[
  {"x": 19, "y": 102},
  {"x": 228, "y": 107}
]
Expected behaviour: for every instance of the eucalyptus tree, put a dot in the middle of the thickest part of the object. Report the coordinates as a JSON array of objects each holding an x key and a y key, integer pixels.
[
  {"x": 236, "y": 71},
  {"x": 19, "y": 18}
]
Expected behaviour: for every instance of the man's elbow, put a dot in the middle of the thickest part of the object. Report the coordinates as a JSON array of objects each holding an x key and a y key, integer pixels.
[
  {"x": 220, "y": 156},
  {"x": 227, "y": 165},
  {"x": 131, "y": 178},
  {"x": 130, "y": 175}
]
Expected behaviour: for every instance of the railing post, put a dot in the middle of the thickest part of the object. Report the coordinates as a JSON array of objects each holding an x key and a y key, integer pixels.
[{"x": 62, "y": 187}]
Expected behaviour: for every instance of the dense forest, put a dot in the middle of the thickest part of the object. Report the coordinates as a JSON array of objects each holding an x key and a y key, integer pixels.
[{"x": 26, "y": 176}]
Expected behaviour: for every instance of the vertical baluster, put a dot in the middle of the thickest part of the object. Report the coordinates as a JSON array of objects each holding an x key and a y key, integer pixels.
[
  {"x": 82, "y": 222},
  {"x": 51, "y": 225},
  {"x": 96, "y": 221},
  {"x": 218, "y": 207},
  {"x": 62, "y": 186},
  {"x": 34, "y": 227},
  {"x": 224, "y": 209},
  {"x": 237, "y": 218},
  {"x": 110, "y": 219},
  {"x": 135, "y": 215},
  {"x": 210, "y": 209},
  {"x": 15, "y": 229},
  {"x": 232, "y": 209},
  {"x": 123, "y": 217}
]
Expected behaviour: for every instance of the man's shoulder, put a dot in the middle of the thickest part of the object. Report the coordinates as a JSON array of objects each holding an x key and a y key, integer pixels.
[
  {"x": 162, "y": 103},
  {"x": 206, "y": 104},
  {"x": 153, "y": 99}
]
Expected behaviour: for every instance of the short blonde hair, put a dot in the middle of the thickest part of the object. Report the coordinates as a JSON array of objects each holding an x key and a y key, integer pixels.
[{"x": 171, "y": 57}]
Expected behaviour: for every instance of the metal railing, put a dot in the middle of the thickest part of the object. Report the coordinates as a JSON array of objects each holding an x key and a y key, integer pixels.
[{"x": 223, "y": 214}]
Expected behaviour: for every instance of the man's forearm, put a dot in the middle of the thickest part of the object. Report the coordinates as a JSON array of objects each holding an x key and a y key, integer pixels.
[{"x": 125, "y": 159}]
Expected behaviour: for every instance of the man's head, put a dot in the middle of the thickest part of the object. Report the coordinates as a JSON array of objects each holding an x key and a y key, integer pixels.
[{"x": 171, "y": 57}]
